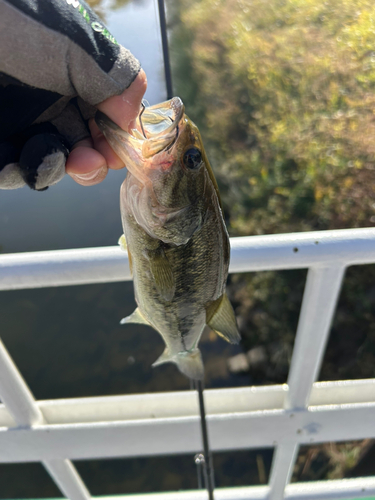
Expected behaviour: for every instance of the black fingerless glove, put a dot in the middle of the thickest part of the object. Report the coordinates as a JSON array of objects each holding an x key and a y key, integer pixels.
[{"x": 57, "y": 62}]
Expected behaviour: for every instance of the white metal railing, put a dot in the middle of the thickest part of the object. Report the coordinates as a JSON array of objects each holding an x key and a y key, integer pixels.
[{"x": 299, "y": 412}]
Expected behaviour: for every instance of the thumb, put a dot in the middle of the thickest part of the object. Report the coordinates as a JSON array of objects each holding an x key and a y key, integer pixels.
[{"x": 123, "y": 109}]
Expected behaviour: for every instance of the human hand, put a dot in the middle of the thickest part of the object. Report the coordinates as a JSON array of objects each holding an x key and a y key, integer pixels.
[
  {"x": 58, "y": 64},
  {"x": 90, "y": 158}
]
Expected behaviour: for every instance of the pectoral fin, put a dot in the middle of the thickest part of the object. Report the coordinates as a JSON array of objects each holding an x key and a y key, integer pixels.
[
  {"x": 124, "y": 247},
  {"x": 220, "y": 317},
  {"x": 122, "y": 243},
  {"x": 135, "y": 317},
  {"x": 189, "y": 362},
  {"x": 162, "y": 273}
]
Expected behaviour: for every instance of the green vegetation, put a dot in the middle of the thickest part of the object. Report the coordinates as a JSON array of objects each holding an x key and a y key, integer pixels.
[{"x": 283, "y": 93}]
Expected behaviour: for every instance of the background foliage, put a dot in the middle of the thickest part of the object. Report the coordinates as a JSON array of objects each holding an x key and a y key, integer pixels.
[{"x": 283, "y": 93}]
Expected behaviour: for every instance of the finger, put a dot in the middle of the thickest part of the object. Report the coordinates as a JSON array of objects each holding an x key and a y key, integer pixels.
[
  {"x": 124, "y": 108},
  {"x": 85, "y": 165},
  {"x": 102, "y": 146}
]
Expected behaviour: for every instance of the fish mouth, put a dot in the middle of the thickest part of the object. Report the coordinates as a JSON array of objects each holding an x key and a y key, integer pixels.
[{"x": 156, "y": 129}]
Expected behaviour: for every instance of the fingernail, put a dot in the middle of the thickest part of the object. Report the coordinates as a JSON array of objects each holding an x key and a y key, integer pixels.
[{"x": 89, "y": 177}]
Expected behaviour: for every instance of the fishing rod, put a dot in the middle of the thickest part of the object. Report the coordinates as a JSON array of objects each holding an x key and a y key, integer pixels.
[
  {"x": 164, "y": 40},
  {"x": 204, "y": 460}
]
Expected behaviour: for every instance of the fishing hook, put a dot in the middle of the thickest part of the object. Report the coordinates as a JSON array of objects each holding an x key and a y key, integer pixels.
[
  {"x": 174, "y": 140},
  {"x": 140, "y": 119}
]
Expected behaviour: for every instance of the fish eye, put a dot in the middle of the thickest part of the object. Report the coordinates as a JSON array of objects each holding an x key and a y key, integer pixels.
[{"x": 192, "y": 158}]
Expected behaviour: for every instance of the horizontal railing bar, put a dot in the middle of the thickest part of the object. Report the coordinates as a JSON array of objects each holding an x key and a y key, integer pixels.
[
  {"x": 250, "y": 253},
  {"x": 63, "y": 267},
  {"x": 363, "y": 487},
  {"x": 303, "y": 250},
  {"x": 342, "y": 392},
  {"x": 184, "y": 403},
  {"x": 169, "y": 436}
]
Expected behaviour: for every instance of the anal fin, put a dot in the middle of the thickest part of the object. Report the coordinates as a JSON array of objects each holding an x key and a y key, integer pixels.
[
  {"x": 221, "y": 319},
  {"x": 135, "y": 317}
]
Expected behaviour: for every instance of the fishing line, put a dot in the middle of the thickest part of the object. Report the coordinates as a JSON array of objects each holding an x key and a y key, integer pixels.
[{"x": 204, "y": 460}]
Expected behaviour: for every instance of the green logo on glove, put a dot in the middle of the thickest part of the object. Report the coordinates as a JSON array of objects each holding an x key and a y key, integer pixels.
[{"x": 95, "y": 25}]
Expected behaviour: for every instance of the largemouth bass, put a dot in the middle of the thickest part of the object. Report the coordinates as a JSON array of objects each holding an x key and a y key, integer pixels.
[{"x": 174, "y": 232}]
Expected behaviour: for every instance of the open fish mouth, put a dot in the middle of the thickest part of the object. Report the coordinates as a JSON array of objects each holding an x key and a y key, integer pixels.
[
  {"x": 156, "y": 129},
  {"x": 161, "y": 119}
]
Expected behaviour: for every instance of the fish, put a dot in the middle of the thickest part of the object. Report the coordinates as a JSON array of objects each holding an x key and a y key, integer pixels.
[{"x": 174, "y": 232}]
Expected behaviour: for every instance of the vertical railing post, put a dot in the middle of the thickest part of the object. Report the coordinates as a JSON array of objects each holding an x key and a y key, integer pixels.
[
  {"x": 20, "y": 403},
  {"x": 320, "y": 297},
  {"x": 318, "y": 307}
]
